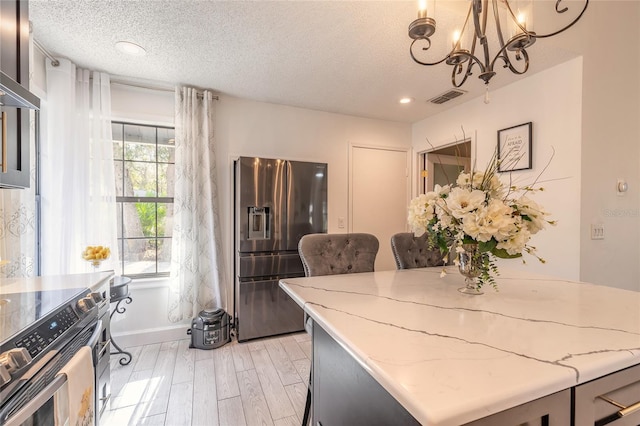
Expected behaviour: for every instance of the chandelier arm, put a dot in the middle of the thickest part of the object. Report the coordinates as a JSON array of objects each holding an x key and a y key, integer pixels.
[
  {"x": 502, "y": 54},
  {"x": 586, "y": 3},
  {"x": 558, "y": 5},
  {"x": 471, "y": 56},
  {"x": 476, "y": 7},
  {"x": 524, "y": 53},
  {"x": 419, "y": 61},
  {"x": 485, "y": 7},
  {"x": 496, "y": 16},
  {"x": 509, "y": 64},
  {"x": 472, "y": 59},
  {"x": 457, "y": 69}
]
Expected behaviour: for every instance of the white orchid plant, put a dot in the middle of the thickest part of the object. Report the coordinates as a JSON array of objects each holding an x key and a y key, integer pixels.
[{"x": 479, "y": 209}]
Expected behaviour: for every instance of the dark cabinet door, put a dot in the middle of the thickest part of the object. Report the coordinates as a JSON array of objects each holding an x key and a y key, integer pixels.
[
  {"x": 14, "y": 62},
  {"x": 15, "y": 172}
]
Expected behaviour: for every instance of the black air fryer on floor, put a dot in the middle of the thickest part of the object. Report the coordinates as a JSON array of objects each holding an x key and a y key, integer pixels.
[{"x": 210, "y": 329}]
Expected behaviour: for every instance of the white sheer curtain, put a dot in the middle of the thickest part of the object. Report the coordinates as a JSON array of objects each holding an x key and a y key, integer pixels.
[
  {"x": 77, "y": 180},
  {"x": 196, "y": 255}
]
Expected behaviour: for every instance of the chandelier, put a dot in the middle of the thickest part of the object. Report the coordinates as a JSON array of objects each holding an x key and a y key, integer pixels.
[{"x": 513, "y": 25}]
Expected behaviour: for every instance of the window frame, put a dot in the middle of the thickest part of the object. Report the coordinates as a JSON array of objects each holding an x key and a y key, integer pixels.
[{"x": 121, "y": 200}]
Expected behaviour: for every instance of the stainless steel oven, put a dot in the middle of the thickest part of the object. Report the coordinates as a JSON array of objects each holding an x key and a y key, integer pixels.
[{"x": 41, "y": 331}]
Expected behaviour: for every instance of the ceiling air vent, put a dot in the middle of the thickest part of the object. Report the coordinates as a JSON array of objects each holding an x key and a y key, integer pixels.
[{"x": 447, "y": 96}]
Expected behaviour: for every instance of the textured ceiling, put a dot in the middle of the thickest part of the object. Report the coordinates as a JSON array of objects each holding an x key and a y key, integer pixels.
[{"x": 348, "y": 57}]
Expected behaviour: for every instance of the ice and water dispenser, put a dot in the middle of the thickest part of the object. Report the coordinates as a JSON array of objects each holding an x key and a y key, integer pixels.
[{"x": 259, "y": 223}]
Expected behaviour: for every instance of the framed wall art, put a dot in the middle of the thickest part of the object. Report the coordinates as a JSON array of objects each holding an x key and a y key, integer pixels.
[{"x": 514, "y": 148}]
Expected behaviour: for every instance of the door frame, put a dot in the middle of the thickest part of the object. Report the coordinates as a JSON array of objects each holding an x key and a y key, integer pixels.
[{"x": 422, "y": 166}]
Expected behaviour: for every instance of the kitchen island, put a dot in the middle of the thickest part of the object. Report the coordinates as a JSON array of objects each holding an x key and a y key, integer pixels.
[{"x": 446, "y": 358}]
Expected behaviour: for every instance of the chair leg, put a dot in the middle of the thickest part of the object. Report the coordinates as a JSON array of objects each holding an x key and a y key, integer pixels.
[{"x": 307, "y": 405}]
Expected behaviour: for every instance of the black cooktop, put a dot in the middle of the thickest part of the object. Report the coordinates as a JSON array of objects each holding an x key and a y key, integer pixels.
[{"x": 21, "y": 310}]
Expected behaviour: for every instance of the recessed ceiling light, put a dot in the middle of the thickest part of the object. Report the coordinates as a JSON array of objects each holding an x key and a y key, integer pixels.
[
  {"x": 406, "y": 100},
  {"x": 130, "y": 48}
]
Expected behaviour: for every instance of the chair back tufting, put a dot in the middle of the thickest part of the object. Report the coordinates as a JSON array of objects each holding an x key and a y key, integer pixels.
[
  {"x": 332, "y": 254},
  {"x": 410, "y": 251}
]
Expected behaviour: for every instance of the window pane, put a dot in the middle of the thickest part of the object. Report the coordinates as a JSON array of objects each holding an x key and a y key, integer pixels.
[
  {"x": 119, "y": 219},
  {"x": 166, "y": 154},
  {"x": 147, "y": 217},
  {"x": 140, "y": 143},
  {"x": 165, "y": 219},
  {"x": 118, "y": 153},
  {"x": 139, "y": 257},
  {"x": 166, "y": 136},
  {"x": 119, "y": 176},
  {"x": 116, "y": 131},
  {"x": 166, "y": 176},
  {"x": 132, "y": 226},
  {"x": 164, "y": 254},
  {"x": 140, "y": 179}
]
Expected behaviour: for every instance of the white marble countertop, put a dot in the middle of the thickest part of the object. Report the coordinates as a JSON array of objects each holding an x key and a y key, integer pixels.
[
  {"x": 450, "y": 358},
  {"x": 54, "y": 282}
]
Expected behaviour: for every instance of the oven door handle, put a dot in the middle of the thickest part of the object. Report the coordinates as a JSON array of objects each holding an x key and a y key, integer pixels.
[
  {"x": 95, "y": 336},
  {"x": 36, "y": 403}
]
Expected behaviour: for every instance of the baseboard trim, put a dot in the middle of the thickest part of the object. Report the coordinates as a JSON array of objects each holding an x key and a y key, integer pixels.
[{"x": 150, "y": 336}]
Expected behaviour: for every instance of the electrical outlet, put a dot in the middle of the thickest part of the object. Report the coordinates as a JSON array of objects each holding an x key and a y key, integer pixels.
[
  {"x": 341, "y": 222},
  {"x": 597, "y": 231}
]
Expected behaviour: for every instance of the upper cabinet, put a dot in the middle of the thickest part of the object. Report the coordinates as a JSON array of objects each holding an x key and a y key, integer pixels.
[{"x": 15, "y": 98}]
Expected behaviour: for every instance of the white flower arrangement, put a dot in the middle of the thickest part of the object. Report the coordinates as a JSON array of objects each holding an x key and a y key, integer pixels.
[{"x": 480, "y": 209}]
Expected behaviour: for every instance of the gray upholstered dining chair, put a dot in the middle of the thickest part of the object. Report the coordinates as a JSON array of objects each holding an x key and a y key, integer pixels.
[
  {"x": 333, "y": 254},
  {"x": 410, "y": 251}
]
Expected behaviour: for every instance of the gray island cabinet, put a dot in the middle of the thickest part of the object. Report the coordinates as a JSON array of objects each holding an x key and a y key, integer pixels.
[{"x": 405, "y": 348}]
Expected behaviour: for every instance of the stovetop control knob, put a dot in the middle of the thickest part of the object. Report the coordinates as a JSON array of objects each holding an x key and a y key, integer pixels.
[
  {"x": 5, "y": 377},
  {"x": 97, "y": 297},
  {"x": 86, "y": 304},
  {"x": 13, "y": 360}
]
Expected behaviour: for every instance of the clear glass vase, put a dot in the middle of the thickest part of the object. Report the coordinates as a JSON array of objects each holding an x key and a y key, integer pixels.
[{"x": 471, "y": 267}]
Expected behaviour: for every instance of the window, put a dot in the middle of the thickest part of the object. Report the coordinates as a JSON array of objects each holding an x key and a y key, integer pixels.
[{"x": 144, "y": 159}]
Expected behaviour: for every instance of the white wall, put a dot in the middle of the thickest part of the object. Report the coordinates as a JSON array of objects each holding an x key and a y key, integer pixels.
[
  {"x": 611, "y": 143},
  {"x": 555, "y": 112},
  {"x": 608, "y": 131},
  {"x": 247, "y": 128}
]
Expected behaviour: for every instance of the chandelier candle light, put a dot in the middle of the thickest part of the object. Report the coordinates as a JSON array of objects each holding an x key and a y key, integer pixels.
[{"x": 512, "y": 22}]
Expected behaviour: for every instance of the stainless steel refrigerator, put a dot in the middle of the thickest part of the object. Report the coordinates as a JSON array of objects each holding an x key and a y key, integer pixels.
[{"x": 276, "y": 203}]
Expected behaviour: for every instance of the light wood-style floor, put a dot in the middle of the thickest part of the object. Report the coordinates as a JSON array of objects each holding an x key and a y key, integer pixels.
[{"x": 261, "y": 382}]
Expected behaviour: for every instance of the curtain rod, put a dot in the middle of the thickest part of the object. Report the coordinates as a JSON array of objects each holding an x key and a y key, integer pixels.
[
  {"x": 121, "y": 81},
  {"x": 113, "y": 79},
  {"x": 46, "y": 53}
]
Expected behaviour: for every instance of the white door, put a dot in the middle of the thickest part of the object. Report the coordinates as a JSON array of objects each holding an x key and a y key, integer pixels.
[{"x": 379, "y": 195}]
